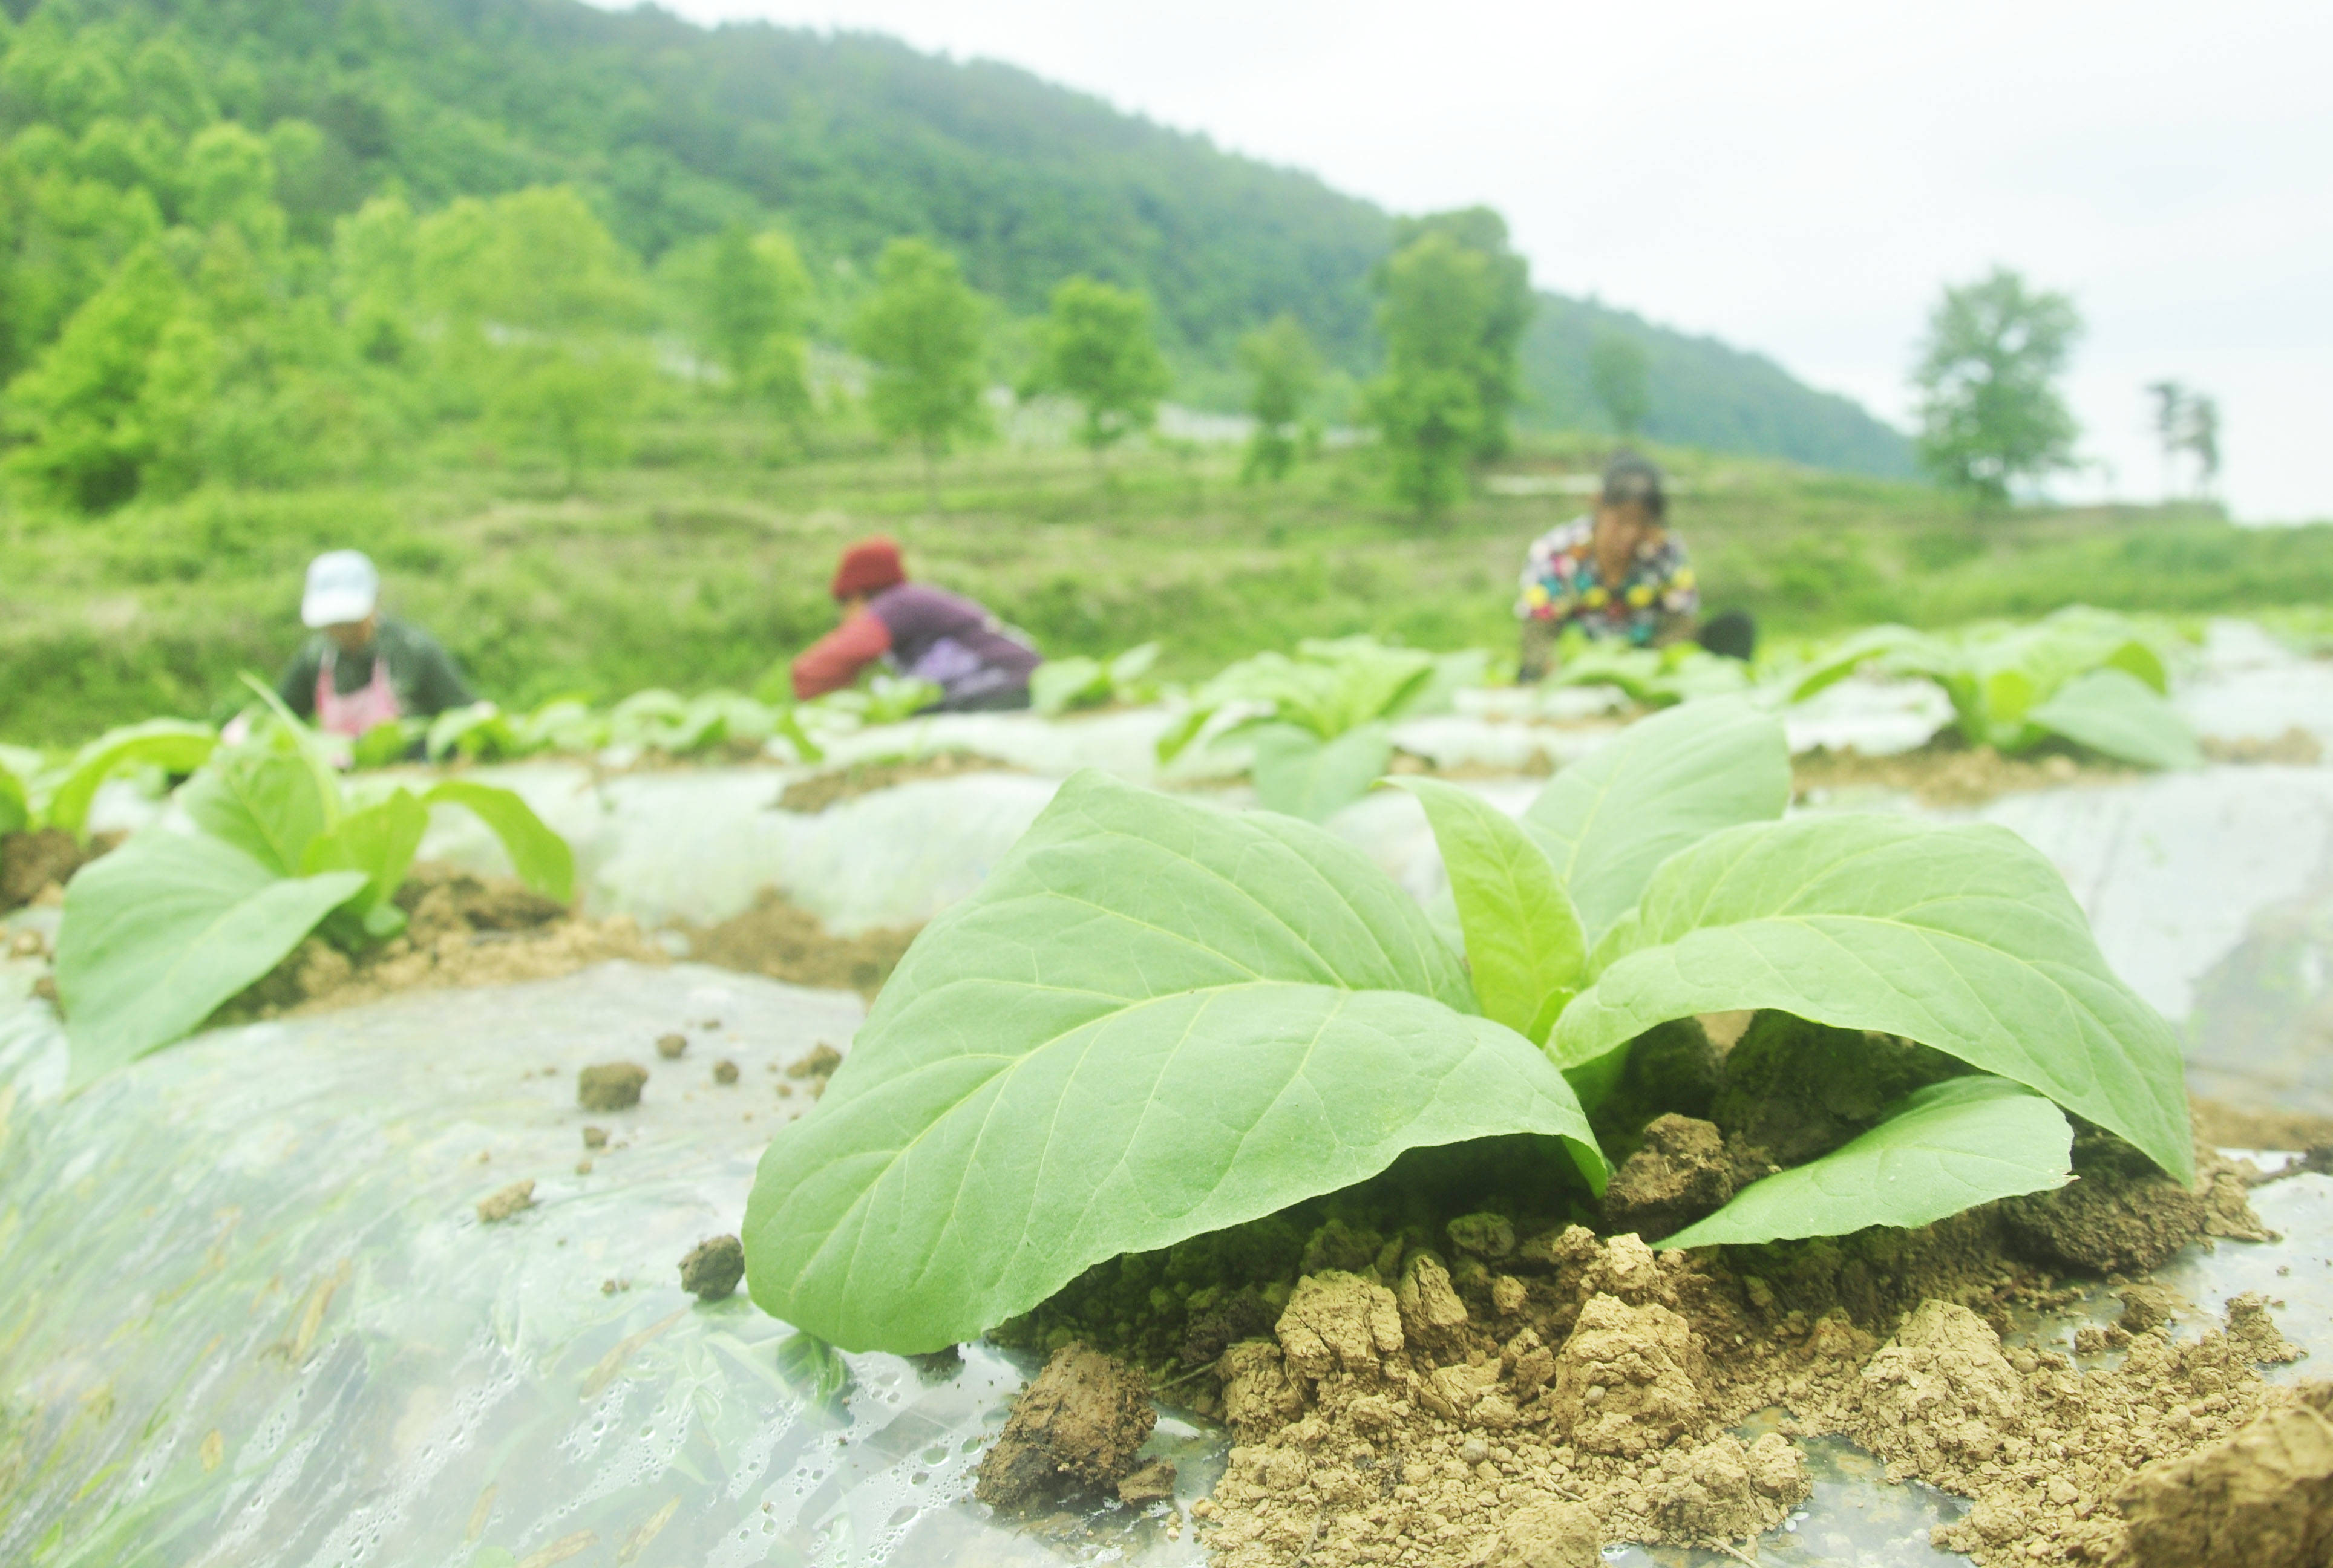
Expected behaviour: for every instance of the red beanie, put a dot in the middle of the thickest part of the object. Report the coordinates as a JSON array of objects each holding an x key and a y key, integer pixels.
[{"x": 869, "y": 567}]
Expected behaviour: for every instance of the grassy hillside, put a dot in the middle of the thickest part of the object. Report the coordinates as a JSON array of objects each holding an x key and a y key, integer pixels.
[
  {"x": 851, "y": 139},
  {"x": 711, "y": 572}
]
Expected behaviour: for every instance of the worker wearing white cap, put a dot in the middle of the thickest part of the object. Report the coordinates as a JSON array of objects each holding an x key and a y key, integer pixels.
[{"x": 361, "y": 668}]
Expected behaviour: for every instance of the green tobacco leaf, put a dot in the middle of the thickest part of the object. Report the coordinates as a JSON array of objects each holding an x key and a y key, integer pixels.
[
  {"x": 2114, "y": 713},
  {"x": 156, "y": 934},
  {"x": 541, "y": 858},
  {"x": 1057, "y": 685},
  {"x": 479, "y": 729},
  {"x": 1659, "y": 786},
  {"x": 378, "y": 841},
  {"x": 1524, "y": 940},
  {"x": 1899, "y": 649},
  {"x": 267, "y": 800},
  {"x": 1946, "y": 1148},
  {"x": 814, "y": 1368},
  {"x": 1964, "y": 938},
  {"x": 387, "y": 742},
  {"x": 1298, "y": 773},
  {"x": 1156, "y": 1018},
  {"x": 171, "y": 744}
]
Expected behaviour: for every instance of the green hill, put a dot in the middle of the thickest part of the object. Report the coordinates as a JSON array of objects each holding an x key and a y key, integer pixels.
[{"x": 850, "y": 140}]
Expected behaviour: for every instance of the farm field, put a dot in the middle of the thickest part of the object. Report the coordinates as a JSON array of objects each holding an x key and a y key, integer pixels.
[
  {"x": 708, "y": 572},
  {"x": 419, "y": 1249}
]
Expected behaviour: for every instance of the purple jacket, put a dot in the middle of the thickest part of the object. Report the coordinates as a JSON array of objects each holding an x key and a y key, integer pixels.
[{"x": 951, "y": 641}]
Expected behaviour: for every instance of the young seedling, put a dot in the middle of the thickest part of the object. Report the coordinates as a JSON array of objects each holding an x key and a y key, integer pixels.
[
  {"x": 1157, "y": 1020},
  {"x": 2079, "y": 674},
  {"x": 1321, "y": 724},
  {"x": 156, "y": 934}
]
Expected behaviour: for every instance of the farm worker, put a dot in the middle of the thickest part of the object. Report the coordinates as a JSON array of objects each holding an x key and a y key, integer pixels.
[
  {"x": 937, "y": 637},
  {"x": 1618, "y": 575},
  {"x": 362, "y": 668}
]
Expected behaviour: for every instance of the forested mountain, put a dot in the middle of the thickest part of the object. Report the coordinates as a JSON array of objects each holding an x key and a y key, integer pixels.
[{"x": 672, "y": 131}]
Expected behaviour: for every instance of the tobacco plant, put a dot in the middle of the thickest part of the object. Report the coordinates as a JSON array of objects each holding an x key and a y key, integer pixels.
[
  {"x": 35, "y": 795},
  {"x": 1158, "y": 1019},
  {"x": 2078, "y": 674},
  {"x": 156, "y": 934},
  {"x": 1321, "y": 724},
  {"x": 1064, "y": 685}
]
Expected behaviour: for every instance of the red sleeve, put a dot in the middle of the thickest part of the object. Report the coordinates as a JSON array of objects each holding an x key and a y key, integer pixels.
[{"x": 834, "y": 661}]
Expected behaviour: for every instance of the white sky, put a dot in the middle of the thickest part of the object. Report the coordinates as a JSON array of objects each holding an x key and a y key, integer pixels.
[{"x": 1798, "y": 176}]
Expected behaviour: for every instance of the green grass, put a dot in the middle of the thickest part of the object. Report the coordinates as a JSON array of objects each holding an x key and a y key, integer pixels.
[{"x": 704, "y": 563}]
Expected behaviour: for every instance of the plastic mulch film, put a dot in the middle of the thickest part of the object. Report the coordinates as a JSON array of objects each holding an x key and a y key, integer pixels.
[{"x": 254, "y": 1316}]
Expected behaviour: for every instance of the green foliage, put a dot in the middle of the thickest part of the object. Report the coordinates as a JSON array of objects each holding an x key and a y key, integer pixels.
[
  {"x": 1650, "y": 677},
  {"x": 1453, "y": 302},
  {"x": 60, "y": 796},
  {"x": 1989, "y": 413},
  {"x": 1284, "y": 371},
  {"x": 921, "y": 329},
  {"x": 1948, "y": 1147},
  {"x": 1607, "y": 821},
  {"x": 1319, "y": 722},
  {"x": 1961, "y": 938},
  {"x": 2077, "y": 675},
  {"x": 1019, "y": 1107},
  {"x": 156, "y": 934},
  {"x": 1620, "y": 372},
  {"x": 1063, "y": 685},
  {"x": 1156, "y": 1018},
  {"x": 748, "y": 297},
  {"x": 1097, "y": 347}
]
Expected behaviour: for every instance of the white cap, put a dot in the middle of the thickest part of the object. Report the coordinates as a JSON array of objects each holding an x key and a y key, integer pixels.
[{"x": 343, "y": 588}]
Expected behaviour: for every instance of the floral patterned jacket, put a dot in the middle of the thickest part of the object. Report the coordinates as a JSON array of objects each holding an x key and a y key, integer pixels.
[{"x": 1562, "y": 585}]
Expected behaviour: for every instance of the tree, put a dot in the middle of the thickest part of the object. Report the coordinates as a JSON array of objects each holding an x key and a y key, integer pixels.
[
  {"x": 1620, "y": 375},
  {"x": 749, "y": 292},
  {"x": 541, "y": 311},
  {"x": 2200, "y": 436},
  {"x": 2170, "y": 410},
  {"x": 1452, "y": 304},
  {"x": 1286, "y": 368},
  {"x": 921, "y": 331},
  {"x": 2186, "y": 424},
  {"x": 1989, "y": 410},
  {"x": 77, "y": 410},
  {"x": 1484, "y": 335},
  {"x": 1098, "y": 349}
]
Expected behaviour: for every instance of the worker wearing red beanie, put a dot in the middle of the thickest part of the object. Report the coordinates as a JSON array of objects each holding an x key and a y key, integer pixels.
[{"x": 951, "y": 641}]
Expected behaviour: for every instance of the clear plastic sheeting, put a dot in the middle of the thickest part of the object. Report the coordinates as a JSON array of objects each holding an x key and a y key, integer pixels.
[
  {"x": 2251, "y": 687},
  {"x": 255, "y": 1318},
  {"x": 2174, "y": 869},
  {"x": 699, "y": 844},
  {"x": 1866, "y": 715}
]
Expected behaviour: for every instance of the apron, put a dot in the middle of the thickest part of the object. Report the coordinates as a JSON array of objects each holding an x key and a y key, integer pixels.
[{"x": 374, "y": 704}]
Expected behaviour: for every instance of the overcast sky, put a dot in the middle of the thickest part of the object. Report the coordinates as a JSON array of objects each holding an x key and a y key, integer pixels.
[{"x": 1800, "y": 177}]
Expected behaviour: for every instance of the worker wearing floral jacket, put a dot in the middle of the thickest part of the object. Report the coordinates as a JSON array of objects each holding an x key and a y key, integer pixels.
[{"x": 1618, "y": 575}]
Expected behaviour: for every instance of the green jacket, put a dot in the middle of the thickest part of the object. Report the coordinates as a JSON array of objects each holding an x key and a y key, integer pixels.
[{"x": 420, "y": 672}]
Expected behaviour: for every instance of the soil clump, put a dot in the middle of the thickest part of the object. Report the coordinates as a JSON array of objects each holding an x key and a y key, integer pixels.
[
  {"x": 610, "y": 1085},
  {"x": 461, "y": 929},
  {"x": 1074, "y": 1430},
  {"x": 1945, "y": 772},
  {"x": 501, "y": 1204},
  {"x": 1427, "y": 1370},
  {"x": 35, "y": 866},
  {"x": 820, "y": 791},
  {"x": 713, "y": 1267},
  {"x": 787, "y": 943}
]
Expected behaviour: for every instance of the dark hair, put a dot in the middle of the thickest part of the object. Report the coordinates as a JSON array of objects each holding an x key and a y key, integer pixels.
[{"x": 1630, "y": 478}]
